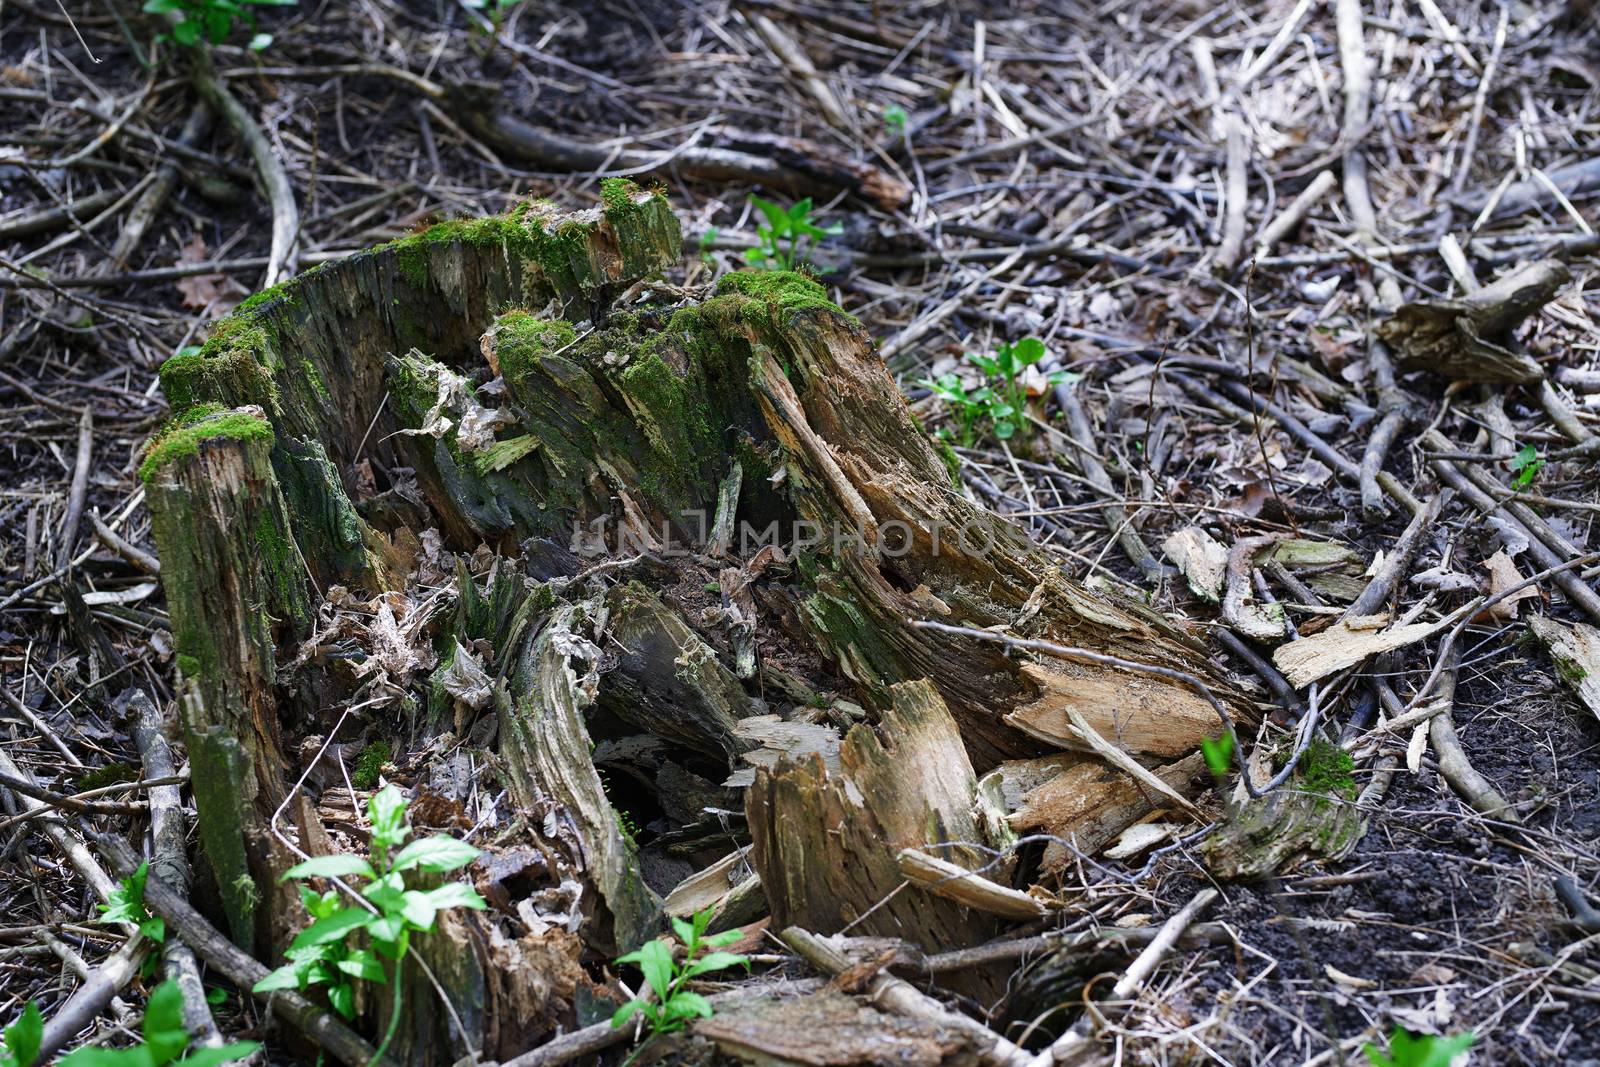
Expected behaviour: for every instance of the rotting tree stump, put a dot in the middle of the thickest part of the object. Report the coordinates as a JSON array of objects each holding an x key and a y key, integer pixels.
[{"x": 709, "y": 516}]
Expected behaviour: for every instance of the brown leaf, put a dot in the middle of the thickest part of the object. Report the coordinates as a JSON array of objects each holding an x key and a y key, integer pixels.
[
  {"x": 1503, "y": 575},
  {"x": 201, "y": 291}
]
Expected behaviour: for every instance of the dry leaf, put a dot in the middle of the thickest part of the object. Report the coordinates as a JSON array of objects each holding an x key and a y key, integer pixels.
[
  {"x": 1202, "y": 559},
  {"x": 1503, "y": 575},
  {"x": 201, "y": 291}
]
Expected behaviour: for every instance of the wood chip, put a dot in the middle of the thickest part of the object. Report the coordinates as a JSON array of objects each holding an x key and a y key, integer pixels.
[{"x": 1344, "y": 644}]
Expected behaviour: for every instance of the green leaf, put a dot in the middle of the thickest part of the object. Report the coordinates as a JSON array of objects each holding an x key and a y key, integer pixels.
[
  {"x": 160, "y": 7},
  {"x": 687, "y": 1005},
  {"x": 285, "y": 977},
  {"x": 715, "y": 961},
  {"x": 216, "y": 995},
  {"x": 155, "y": 928},
  {"x": 685, "y": 931},
  {"x": 1420, "y": 1050},
  {"x": 438, "y": 853},
  {"x": 1004, "y": 430},
  {"x": 727, "y": 937},
  {"x": 22, "y": 1038},
  {"x": 339, "y": 865},
  {"x": 210, "y": 1057},
  {"x": 390, "y": 934},
  {"x": 800, "y": 210},
  {"x": 260, "y": 42},
  {"x": 364, "y": 965},
  {"x": 620, "y": 1017},
  {"x": 456, "y": 895},
  {"x": 387, "y": 811},
  {"x": 343, "y": 998},
  {"x": 186, "y": 32},
  {"x": 1218, "y": 753},
  {"x": 655, "y": 960},
  {"x": 1029, "y": 351},
  {"x": 333, "y": 928},
  {"x": 417, "y": 909},
  {"x": 775, "y": 214},
  {"x": 164, "y": 1034}
]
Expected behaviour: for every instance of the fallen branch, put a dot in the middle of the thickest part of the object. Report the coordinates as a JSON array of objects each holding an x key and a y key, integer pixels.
[
  {"x": 282, "y": 259},
  {"x": 1465, "y": 779}
]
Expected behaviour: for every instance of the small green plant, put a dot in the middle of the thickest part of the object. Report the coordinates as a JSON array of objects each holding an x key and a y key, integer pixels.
[
  {"x": 895, "y": 119},
  {"x": 1419, "y": 1050},
  {"x": 19, "y": 1044},
  {"x": 674, "y": 1005},
  {"x": 1218, "y": 752},
  {"x": 784, "y": 233},
  {"x": 707, "y": 239},
  {"x": 165, "y": 1040},
  {"x": 322, "y": 952},
  {"x": 126, "y": 905},
  {"x": 1003, "y": 398},
  {"x": 212, "y": 20},
  {"x": 1525, "y": 465}
]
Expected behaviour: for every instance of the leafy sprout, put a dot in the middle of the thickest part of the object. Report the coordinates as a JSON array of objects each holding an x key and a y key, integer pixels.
[
  {"x": 674, "y": 1006},
  {"x": 1218, "y": 752},
  {"x": 165, "y": 1040},
  {"x": 323, "y": 953},
  {"x": 126, "y": 905},
  {"x": 1419, "y": 1050},
  {"x": 212, "y": 20},
  {"x": 786, "y": 231},
  {"x": 1526, "y": 465},
  {"x": 19, "y": 1044},
  {"x": 1002, "y": 399},
  {"x": 895, "y": 119}
]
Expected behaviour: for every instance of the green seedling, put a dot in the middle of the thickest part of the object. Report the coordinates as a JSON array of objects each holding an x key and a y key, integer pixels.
[
  {"x": 1218, "y": 752},
  {"x": 1525, "y": 465},
  {"x": 1419, "y": 1050},
  {"x": 707, "y": 239},
  {"x": 212, "y": 20},
  {"x": 674, "y": 1006},
  {"x": 19, "y": 1044},
  {"x": 785, "y": 233},
  {"x": 165, "y": 1040},
  {"x": 895, "y": 119},
  {"x": 126, "y": 905},
  {"x": 1002, "y": 400},
  {"x": 325, "y": 952}
]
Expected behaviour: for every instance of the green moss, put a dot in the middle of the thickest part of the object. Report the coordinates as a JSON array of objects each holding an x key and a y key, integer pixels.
[
  {"x": 110, "y": 774},
  {"x": 188, "y": 666},
  {"x": 314, "y": 376},
  {"x": 785, "y": 293},
  {"x": 521, "y": 339},
  {"x": 1327, "y": 768},
  {"x": 369, "y": 765},
  {"x": 227, "y": 369},
  {"x": 184, "y": 439},
  {"x": 281, "y": 290},
  {"x": 617, "y": 194}
]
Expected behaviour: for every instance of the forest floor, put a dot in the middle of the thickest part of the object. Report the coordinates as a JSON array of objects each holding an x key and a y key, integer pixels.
[{"x": 1071, "y": 173}]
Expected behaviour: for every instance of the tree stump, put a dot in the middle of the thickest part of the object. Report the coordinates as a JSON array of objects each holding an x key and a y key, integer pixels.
[{"x": 704, "y": 512}]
